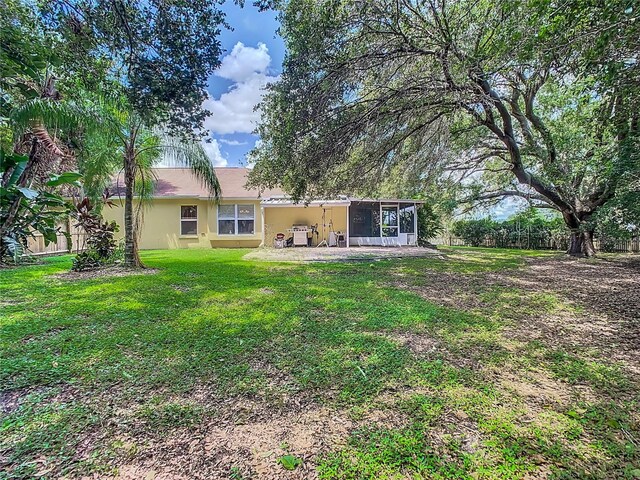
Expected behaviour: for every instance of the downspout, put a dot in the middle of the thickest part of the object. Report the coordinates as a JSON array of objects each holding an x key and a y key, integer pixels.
[
  {"x": 262, "y": 228},
  {"x": 347, "y": 237}
]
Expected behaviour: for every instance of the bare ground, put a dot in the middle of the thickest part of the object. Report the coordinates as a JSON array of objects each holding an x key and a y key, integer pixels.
[
  {"x": 115, "y": 271},
  {"x": 334, "y": 254},
  {"x": 602, "y": 295}
]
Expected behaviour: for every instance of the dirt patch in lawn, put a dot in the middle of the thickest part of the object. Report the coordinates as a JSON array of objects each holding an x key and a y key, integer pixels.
[
  {"x": 420, "y": 344},
  {"x": 12, "y": 400},
  {"x": 105, "y": 272},
  {"x": 537, "y": 389},
  {"x": 246, "y": 437},
  {"x": 600, "y": 301},
  {"x": 605, "y": 295}
]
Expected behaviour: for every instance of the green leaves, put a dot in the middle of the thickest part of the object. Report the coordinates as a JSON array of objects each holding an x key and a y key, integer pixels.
[
  {"x": 12, "y": 161},
  {"x": 192, "y": 155},
  {"x": 176, "y": 38},
  {"x": 290, "y": 462},
  {"x": 52, "y": 113},
  {"x": 26, "y": 211},
  {"x": 67, "y": 178}
]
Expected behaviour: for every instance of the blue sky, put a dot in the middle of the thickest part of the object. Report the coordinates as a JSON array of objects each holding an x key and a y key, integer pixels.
[{"x": 252, "y": 57}]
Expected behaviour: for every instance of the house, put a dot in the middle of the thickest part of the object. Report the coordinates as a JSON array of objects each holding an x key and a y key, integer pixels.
[{"x": 182, "y": 216}]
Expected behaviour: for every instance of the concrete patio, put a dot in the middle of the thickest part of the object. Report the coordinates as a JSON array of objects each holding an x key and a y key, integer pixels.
[{"x": 334, "y": 254}]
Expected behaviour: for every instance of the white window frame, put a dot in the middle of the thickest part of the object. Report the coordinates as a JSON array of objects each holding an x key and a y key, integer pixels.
[
  {"x": 235, "y": 218},
  {"x": 183, "y": 219}
]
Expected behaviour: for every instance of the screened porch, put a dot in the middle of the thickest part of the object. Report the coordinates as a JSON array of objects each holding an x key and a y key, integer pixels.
[{"x": 383, "y": 223}]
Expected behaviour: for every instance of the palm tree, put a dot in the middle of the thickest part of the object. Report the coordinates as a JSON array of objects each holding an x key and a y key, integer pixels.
[
  {"x": 35, "y": 125},
  {"x": 126, "y": 144}
]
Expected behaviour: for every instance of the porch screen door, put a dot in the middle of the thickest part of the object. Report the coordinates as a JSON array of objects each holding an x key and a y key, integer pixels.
[{"x": 389, "y": 220}]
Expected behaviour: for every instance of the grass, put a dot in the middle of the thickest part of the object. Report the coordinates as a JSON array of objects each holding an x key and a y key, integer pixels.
[{"x": 89, "y": 362}]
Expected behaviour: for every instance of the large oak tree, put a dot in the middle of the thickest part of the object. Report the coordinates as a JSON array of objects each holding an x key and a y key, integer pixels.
[{"x": 535, "y": 99}]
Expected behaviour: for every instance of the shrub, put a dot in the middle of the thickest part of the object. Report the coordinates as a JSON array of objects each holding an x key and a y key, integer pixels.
[
  {"x": 475, "y": 232},
  {"x": 527, "y": 229},
  {"x": 87, "y": 260},
  {"x": 101, "y": 246},
  {"x": 29, "y": 208},
  {"x": 429, "y": 224}
]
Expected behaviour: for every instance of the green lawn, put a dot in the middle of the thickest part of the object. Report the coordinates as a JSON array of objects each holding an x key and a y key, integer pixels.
[{"x": 419, "y": 368}]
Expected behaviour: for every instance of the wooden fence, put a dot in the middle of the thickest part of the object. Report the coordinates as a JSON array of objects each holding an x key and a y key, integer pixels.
[
  {"x": 610, "y": 245},
  {"x": 36, "y": 246}
]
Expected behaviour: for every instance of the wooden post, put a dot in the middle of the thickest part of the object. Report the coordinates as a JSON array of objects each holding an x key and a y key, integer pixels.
[{"x": 69, "y": 238}]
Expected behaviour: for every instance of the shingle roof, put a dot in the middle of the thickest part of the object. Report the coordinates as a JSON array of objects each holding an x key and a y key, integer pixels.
[{"x": 180, "y": 182}]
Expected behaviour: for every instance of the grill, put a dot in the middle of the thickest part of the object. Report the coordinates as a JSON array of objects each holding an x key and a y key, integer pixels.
[{"x": 300, "y": 235}]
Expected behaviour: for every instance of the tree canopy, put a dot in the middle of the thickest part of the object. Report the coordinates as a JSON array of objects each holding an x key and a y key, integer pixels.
[
  {"x": 504, "y": 98},
  {"x": 162, "y": 51}
]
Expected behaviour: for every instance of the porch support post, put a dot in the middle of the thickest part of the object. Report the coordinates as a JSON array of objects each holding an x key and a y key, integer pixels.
[
  {"x": 380, "y": 207},
  {"x": 347, "y": 237},
  {"x": 415, "y": 222}
]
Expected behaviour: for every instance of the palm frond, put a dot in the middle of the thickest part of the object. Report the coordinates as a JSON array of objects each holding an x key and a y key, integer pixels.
[
  {"x": 193, "y": 156},
  {"x": 99, "y": 159},
  {"x": 50, "y": 113}
]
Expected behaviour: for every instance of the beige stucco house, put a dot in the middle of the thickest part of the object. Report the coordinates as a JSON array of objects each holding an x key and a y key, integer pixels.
[{"x": 181, "y": 215}]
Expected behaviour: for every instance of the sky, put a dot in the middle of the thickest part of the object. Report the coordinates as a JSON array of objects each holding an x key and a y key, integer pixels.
[{"x": 253, "y": 54}]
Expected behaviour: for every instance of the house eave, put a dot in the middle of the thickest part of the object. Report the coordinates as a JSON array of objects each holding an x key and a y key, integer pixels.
[{"x": 344, "y": 202}]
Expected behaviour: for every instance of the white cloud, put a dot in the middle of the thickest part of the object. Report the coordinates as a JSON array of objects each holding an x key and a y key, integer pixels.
[
  {"x": 250, "y": 161},
  {"x": 212, "y": 150},
  {"x": 233, "y": 143},
  {"x": 243, "y": 62},
  {"x": 235, "y": 110}
]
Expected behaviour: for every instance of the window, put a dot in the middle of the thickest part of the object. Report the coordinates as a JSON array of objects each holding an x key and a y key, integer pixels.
[
  {"x": 188, "y": 220},
  {"x": 226, "y": 219},
  {"x": 236, "y": 219}
]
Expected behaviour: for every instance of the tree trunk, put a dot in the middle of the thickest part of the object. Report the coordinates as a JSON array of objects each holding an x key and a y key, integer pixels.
[
  {"x": 131, "y": 257},
  {"x": 581, "y": 244}
]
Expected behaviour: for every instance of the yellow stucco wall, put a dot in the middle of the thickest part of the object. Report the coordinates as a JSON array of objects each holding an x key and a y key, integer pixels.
[
  {"x": 279, "y": 219},
  {"x": 161, "y": 225}
]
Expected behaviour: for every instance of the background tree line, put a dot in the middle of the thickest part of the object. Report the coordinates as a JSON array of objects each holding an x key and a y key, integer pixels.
[{"x": 529, "y": 229}]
